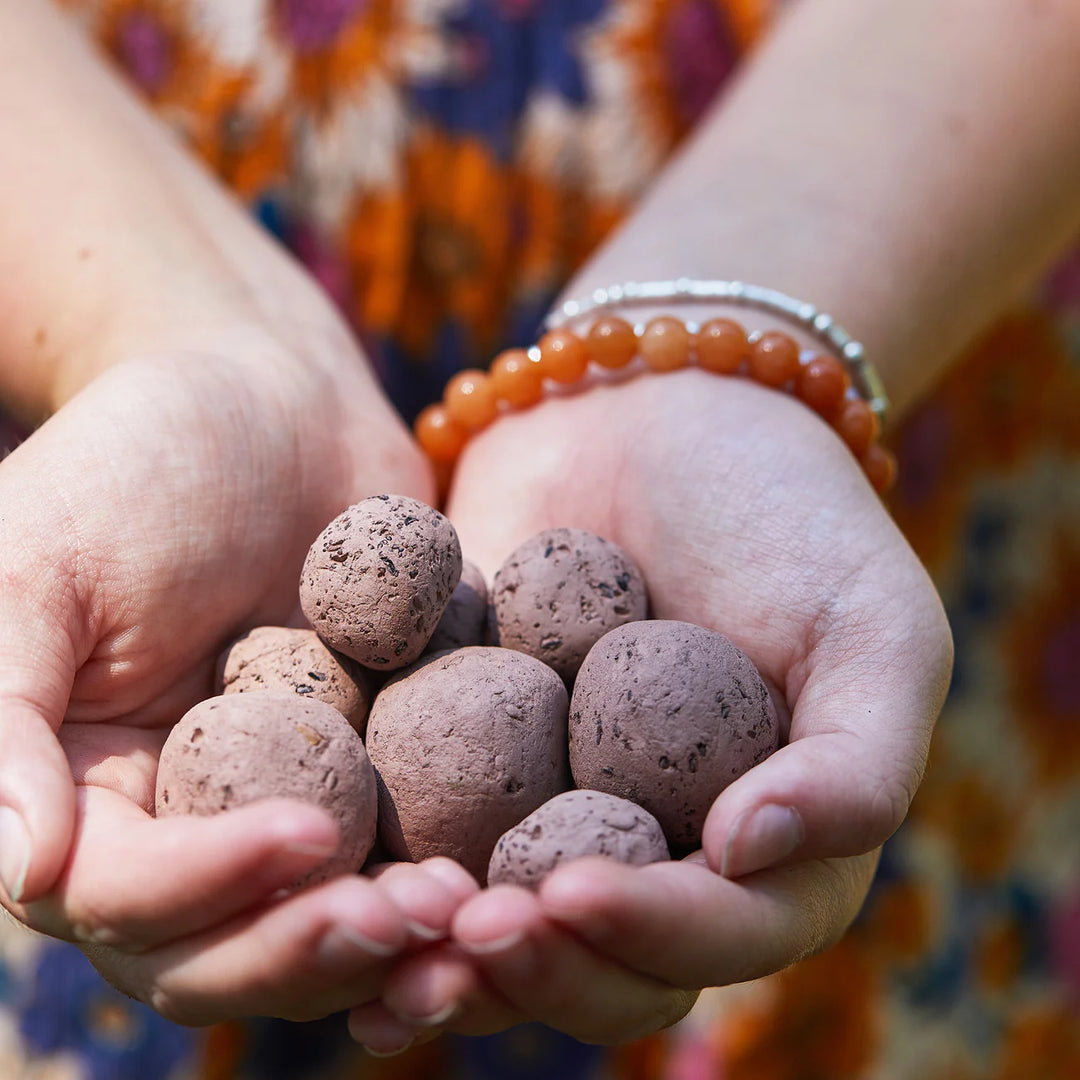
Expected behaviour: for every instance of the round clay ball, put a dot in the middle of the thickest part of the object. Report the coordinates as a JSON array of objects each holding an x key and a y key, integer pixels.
[
  {"x": 571, "y": 826},
  {"x": 279, "y": 660},
  {"x": 667, "y": 714},
  {"x": 378, "y": 579},
  {"x": 466, "y": 744},
  {"x": 464, "y": 621},
  {"x": 560, "y": 592},
  {"x": 232, "y": 750}
]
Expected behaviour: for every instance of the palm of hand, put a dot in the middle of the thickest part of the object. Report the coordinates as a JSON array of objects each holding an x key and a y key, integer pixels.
[
  {"x": 163, "y": 510},
  {"x": 749, "y": 516}
]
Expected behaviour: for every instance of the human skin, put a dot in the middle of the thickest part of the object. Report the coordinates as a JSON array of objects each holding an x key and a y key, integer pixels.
[
  {"x": 209, "y": 414},
  {"x": 896, "y": 163},
  {"x": 911, "y": 240}
]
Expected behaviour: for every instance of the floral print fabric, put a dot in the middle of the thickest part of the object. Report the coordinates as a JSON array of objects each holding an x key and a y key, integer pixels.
[{"x": 441, "y": 166}]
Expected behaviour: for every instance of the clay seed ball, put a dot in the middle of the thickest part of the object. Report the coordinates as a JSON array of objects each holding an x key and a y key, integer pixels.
[
  {"x": 232, "y": 750},
  {"x": 466, "y": 744},
  {"x": 378, "y": 579},
  {"x": 279, "y": 660},
  {"x": 464, "y": 621},
  {"x": 560, "y": 592},
  {"x": 571, "y": 826},
  {"x": 667, "y": 714}
]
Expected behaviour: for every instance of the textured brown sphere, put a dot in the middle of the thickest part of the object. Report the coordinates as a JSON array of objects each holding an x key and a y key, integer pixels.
[
  {"x": 229, "y": 751},
  {"x": 464, "y": 621},
  {"x": 560, "y": 592},
  {"x": 571, "y": 826},
  {"x": 466, "y": 744},
  {"x": 667, "y": 714},
  {"x": 379, "y": 577},
  {"x": 279, "y": 660}
]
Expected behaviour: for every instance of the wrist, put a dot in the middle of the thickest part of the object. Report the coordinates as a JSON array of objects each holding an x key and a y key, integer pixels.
[
  {"x": 317, "y": 415},
  {"x": 272, "y": 343},
  {"x": 175, "y": 293},
  {"x": 590, "y": 340},
  {"x": 152, "y": 256}
]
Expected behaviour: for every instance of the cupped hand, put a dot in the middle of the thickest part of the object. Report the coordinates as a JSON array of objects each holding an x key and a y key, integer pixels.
[
  {"x": 747, "y": 515},
  {"x": 163, "y": 510}
]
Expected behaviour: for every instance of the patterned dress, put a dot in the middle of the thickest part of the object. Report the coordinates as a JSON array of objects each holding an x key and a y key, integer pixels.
[{"x": 441, "y": 166}]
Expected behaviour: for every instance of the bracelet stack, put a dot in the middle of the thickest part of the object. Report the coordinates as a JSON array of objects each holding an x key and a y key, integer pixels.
[{"x": 843, "y": 389}]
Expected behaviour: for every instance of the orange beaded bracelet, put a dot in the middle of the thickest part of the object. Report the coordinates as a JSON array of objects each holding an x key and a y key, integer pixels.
[{"x": 473, "y": 398}]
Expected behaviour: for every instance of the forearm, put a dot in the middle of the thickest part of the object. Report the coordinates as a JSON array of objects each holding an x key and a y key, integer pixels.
[
  {"x": 113, "y": 240},
  {"x": 907, "y": 165}
]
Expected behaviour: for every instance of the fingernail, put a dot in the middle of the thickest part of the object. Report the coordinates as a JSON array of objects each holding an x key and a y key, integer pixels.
[
  {"x": 425, "y": 933},
  {"x": 496, "y": 945},
  {"x": 389, "y": 1053},
  {"x": 14, "y": 853},
  {"x": 321, "y": 851},
  {"x": 341, "y": 944},
  {"x": 432, "y": 1020},
  {"x": 761, "y": 838}
]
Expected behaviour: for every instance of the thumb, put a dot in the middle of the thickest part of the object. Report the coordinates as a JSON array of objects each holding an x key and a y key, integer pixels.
[
  {"x": 860, "y": 735},
  {"x": 37, "y": 794}
]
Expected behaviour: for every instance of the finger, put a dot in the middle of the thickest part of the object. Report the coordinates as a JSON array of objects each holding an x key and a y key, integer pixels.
[
  {"x": 442, "y": 988},
  {"x": 37, "y": 801},
  {"x": 552, "y": 977},
  {"x": 453, "y": 875},
  {"x": 134, "y": 882},
  {"x": 37, "y": 665},
  {"x": 681, "y": 923},
  {"x": 427, "y": 903},
  {"x": 381, "y": 1034},
  {"x": 872, "y": 688},
  {"x": 315, "y": 953}
]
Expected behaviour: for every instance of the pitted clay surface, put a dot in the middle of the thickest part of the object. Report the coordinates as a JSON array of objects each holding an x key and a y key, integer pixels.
[
  {"x": 560, "y": 592},
  {"x": 279, "y": 660},
  {"x": 378, "y": 579},
  {"x": 466, "y": 744},
  {"x": 233, "y": 750},
  {"x": 667, "y": 714},
  {"x": 465, "y": 620},
  {"x": 571, "y": 826}
]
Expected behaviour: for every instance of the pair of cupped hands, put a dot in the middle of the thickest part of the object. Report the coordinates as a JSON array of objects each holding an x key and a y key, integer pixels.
[{"x": 167, "y": 507}]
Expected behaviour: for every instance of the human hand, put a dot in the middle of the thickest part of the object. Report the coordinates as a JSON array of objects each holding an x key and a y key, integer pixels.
[
  {"x": 747, "y": 515},
  {"x": 164, "y": 509}
]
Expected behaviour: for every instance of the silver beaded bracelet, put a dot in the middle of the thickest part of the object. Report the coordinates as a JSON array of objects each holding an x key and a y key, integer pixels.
[{"x": 864, "y": 376}]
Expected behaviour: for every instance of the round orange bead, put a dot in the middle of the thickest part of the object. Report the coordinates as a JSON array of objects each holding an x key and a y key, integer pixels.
[
  {"x": 774, "y": 359},
  {"x": 563, "y": 356},
  {"x": 721, "y": 346},
  {"x": 822, "y": 384},
  {"x": 611, "y": 342},
  {"x": 880, "y": 468},
  {"x": 470, "y": 399},
  {"x": 858, "y": 426},
  {"x": 665, "y": 344},
  {"x": 516, "y": 378},
  {"x": 439, "y": 436}
]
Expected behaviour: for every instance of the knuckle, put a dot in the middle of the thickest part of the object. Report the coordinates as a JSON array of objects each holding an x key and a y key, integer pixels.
[
  {"x": 832, "y": 908},
  {"x": 667, "y": 1008},
  {"x": 94, "y": 924},
  {"x": 888, "y": 807},
  {"x": 137, "y": 980}
]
